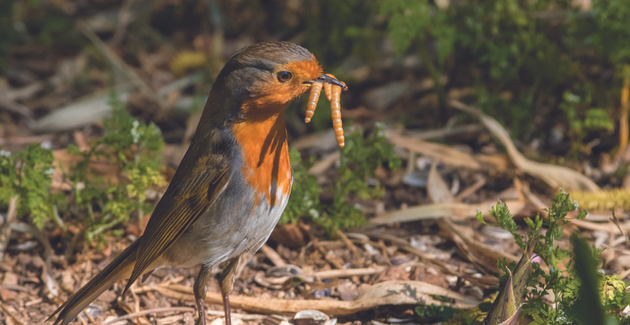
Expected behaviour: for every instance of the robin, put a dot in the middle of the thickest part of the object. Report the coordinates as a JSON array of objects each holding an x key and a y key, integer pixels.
[{"x": 233, "y": 183}]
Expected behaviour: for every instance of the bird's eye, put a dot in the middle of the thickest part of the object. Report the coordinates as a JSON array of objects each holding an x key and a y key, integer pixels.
[{"x": 284, "y": 76}]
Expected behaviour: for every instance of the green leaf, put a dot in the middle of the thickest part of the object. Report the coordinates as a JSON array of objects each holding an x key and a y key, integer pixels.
[
  {"x": 28, "y": 174},
  {"x": 588, "y": 308}
]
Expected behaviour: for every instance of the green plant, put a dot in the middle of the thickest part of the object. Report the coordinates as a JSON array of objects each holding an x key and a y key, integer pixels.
[
  {"x": 304, "y": 200},
  {"x": 556, "y": 282},
  {"x": 98, "y": 204},
  {"x": 442, "y": 314},
  {"x": 588, "y": 307},
  {"x": 28, "y": 174},
  {"x": 418, "y": 21},
  {"x": 561, "y": 277},
  {"x": 338, "y": 28},
  {"x": 435, "y": 313},
  {"x": 594, "y": 119},
  {"x": 606, "y": 31},
  {"x": 134, "y": 148},
  {"x": 518, "y": 54},
  {"x": 359, "y": 160},
  {"x": 8, "y": 35}
]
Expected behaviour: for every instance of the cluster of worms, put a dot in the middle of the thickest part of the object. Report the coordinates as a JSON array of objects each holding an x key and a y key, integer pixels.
[{"x": 333, "y": 93}]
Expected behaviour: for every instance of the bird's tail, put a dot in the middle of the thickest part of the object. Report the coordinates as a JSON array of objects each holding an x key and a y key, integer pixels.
[{"x": 118, "y": 269}]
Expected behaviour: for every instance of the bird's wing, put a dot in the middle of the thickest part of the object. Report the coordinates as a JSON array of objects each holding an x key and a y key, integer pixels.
[{"x": 188, "y": 197}]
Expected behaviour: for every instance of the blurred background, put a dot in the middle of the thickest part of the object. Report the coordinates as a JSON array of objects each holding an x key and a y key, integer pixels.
[
  {"x": 463, "y": 102},
  {"x": 550, "y": 71}
]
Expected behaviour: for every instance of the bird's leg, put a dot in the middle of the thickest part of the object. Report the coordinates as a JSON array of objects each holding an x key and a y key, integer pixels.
[
  {"x": 200, "y": 293},
  {"x": 227, "y": 283},
  {"x": 226, "y": 308}
]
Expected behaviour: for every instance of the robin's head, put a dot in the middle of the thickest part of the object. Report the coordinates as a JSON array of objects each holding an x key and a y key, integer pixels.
[{"x": 265, "y": 77}]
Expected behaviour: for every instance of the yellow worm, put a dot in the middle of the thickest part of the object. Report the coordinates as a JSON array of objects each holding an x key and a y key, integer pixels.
[
  {"x": 316, "y": 89},
  {"x": 328, "y": 89},
  {"x": 333, "y": 93},
  {"x": 335, "y": 109}
]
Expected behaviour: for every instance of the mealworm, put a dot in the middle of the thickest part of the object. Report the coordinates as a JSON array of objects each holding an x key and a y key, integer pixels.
[
  {"x": 316, "y": 89},
  {"x": 333, "y": 93},
  {"x": 328, "y": 90},
  {"x": 335, "y": 109}
]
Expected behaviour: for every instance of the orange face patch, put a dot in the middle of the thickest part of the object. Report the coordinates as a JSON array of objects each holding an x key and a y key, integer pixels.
[
  {"x": 304, "y": 70},
  {"x": 275, "y": 95}
]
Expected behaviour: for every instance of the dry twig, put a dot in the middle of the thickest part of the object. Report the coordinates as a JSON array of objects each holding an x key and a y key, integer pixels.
[
  {"x": 11, "y": 314},
  {"x": 5, "y": 228},
  {"x": 272, "y": 255},
  {"x": 47, "y": 278},
  {"x": 384, "y": 293}
]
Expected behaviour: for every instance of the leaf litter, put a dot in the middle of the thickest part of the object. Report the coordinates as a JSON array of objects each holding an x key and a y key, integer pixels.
[{"x": 375, "y": 273}]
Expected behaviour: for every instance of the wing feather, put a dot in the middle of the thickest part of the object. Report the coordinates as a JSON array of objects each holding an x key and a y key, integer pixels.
[{"x": 178, "y": 209}]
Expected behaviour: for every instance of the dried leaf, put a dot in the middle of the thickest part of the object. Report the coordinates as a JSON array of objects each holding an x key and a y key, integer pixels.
[
  {"x": 456, "y": 211},
  {"x": 78, "y": 114},
  {"x": 521, "y": 272},
  {"x": 412, "y": 293},
  {"x": 311, "y": 317},
  {"x": 436, "y": 187},
  {"x": 513, "y": 320},
  {"x": 6, "y": 294},
  {"x": 554, "y": 176},
  {"x": 446, "y": 154},
  {"x": 504, "y": 306},
  {"x": 479, "y": 253},
  {"x": 290, "y": 234}
]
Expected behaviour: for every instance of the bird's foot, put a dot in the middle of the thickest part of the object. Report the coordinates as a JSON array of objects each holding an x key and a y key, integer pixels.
[{"x": 201, "y": 308}]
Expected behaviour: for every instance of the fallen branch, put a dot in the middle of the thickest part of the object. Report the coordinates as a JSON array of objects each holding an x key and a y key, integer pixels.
[
  {"x": 385, "y": 293},
  {"x": 345, "y": 273},
  {"x": 180, "y": 309}
]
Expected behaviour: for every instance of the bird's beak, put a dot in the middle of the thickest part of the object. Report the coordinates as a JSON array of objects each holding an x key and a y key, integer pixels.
[{"x": 328, "y": 80}]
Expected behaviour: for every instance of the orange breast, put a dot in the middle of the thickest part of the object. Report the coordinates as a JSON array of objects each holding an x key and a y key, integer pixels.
[{"x": 266, "y": 164}]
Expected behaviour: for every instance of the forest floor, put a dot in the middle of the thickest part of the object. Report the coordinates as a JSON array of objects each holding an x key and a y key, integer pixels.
[{"x": 422, "y": 239}]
